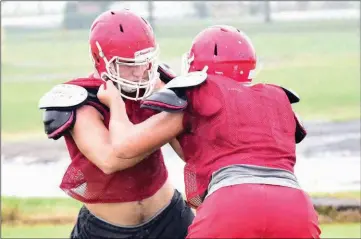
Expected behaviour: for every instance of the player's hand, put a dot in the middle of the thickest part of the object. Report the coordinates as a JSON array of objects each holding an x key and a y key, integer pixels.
[
  {"x": 108, "y": 94},
  {"x": 159, "y": 85}
]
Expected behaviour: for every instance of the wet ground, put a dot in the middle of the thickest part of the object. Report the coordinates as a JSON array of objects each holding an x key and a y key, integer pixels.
[{"x": 328, "y": 160}]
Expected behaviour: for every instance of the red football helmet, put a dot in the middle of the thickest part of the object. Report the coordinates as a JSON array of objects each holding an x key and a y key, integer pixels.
[
  {"x": 225, "y": 51},
  {"x": 121, "y": 37}
]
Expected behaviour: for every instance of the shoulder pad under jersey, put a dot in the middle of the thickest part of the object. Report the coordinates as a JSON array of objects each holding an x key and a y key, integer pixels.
[
  {"x": 63, "y": 96},
  {"x": 291, "y": 95},
  {"x": 166, "y": 74},
  {"x": 300, "y": 132},
  {"x": 185, "y": 81}
]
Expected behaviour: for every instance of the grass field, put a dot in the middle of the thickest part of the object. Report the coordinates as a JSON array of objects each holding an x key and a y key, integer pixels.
[
  {"x": 61, "y": 212},
  {"x": 38, "y": 209},
  {"x": 66, "y": 209},
  {"x": 355, "y": 195},
  {"x": 349, "y": 230},
  {"x": 320, "y": 61}
]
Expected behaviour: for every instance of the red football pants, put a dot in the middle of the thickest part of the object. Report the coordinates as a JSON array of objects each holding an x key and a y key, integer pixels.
[{"x": 256, "y": 211}]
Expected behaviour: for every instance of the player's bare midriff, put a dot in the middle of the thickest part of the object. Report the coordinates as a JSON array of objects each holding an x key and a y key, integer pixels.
[{"x": 133, "y": 213}]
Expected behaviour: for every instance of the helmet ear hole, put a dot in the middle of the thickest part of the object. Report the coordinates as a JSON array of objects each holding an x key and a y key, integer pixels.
[
  {"x": 96, "y": 57},
  {"x": 215, "y": 50}
]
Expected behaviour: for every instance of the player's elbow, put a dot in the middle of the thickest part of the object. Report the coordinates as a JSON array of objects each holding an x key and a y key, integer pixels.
[
  {"x": 117, "y": 161},
  {"x": 112, "y": 164},
  {"x": 124, "y": 150},
  {"x": 115, "y": 165}
]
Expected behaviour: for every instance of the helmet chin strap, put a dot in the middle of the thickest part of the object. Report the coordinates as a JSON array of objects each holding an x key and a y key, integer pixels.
[
  {"x": 131, "y": 89},
  {"x": 127, "y": 89}
]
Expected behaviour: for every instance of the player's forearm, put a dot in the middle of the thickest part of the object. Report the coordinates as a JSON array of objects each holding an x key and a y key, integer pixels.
[
  {"x": 124, "y": 135},
  {"x": 149, "y": 135},
  {"x": 119, "y": 125},
  {"x": 120, "y": 158},
  {"x": 127, "y": 140},
  {"x": 132, "y": 141}
]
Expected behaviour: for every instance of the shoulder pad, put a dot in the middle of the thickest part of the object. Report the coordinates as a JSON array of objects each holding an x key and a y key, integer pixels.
[
  {"x": 57, "y": 122},
  {"x": 185, "y": 81},
  {"x": 300, "y": 132},
  {"x": 292, "y": 96},
  {"x": 165, "y": 100},
  {"x": 63, "y": 96},
  {"x": 166, "y": 74}
]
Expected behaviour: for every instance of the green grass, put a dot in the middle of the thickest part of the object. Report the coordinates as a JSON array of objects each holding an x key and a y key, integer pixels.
[
  {"x": 344, "y": 195},
  {"x": 328, "y": 89},
  {"x": 32, "y": 208},
  {"x": 350, "y": 230},
  {"x": 64, "y": 210},
  {"x": 25, "y": 57},
  {"x": 41, "y": 231},
  {"x": 19, "y": 111},
  {"x": 32, "y": 205},
  {"x": 38, "y": 209},
  {"x": 320, "y": 61}
]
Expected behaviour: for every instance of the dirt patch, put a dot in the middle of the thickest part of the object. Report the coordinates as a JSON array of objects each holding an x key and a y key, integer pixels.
[
  {"x": 41, "y": 150},
  {"x": 326, "y": 215},
  {"x": 323, "y": 137},
  {"x": 42, "y": 221},
  {"x": 332, "y": 215},
  {"x": 13, "y": 216}
]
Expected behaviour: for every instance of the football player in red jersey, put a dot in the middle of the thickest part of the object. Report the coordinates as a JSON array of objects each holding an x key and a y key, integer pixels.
[
  {"x": 123, "y": 197},
  {"x": 238, "y": 140}
]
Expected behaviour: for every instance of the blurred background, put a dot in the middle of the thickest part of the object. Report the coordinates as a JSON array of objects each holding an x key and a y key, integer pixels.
[{"x": 312, "y": 47}]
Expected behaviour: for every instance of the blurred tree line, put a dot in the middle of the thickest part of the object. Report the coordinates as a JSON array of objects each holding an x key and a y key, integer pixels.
[{"x": 80, "y": 14}]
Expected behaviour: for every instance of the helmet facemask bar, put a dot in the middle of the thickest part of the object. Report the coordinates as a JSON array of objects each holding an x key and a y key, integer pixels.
[
  {"x": 144, "y": 57},
  {"x": 187, "y": 59}
]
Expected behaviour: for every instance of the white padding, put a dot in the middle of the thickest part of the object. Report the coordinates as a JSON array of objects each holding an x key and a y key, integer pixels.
[
  {"x": 188, "y": 80},
  {"x": 63, "y": 96}
]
